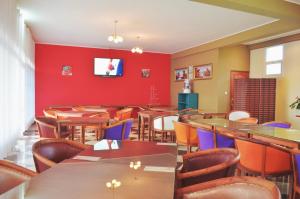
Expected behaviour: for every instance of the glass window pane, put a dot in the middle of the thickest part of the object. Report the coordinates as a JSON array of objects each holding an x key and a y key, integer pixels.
[
  {"x": 274, "y": 68},
  {"x": 274, "y": 53}
]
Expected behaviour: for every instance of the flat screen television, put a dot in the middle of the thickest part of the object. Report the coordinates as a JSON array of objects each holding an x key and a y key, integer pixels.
[{"x": 108, "y": 67}]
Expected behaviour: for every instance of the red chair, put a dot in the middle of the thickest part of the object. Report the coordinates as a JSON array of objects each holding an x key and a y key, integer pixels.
[
  {"x": 48, "y": 152},
  {"x": 12, "y": 175},
  {"x": 203, "y": 166}
]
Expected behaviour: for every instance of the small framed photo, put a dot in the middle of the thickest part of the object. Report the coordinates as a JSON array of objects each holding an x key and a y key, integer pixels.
[
  {"x": 181, "y": 74},
  {"x": 145, "y": 73},
  {"x": 66, "y": 71},
  {"x": 203, "y": 71}
]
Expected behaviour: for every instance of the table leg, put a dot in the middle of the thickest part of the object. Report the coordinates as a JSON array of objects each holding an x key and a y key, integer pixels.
[
  {"x": 139, "y": 126},
  {"x": 72, "y": 132},
  {"x": 214, "y": 129},
  {"x": 150, "y": 128},
  {"x": 83, "y": 134}
]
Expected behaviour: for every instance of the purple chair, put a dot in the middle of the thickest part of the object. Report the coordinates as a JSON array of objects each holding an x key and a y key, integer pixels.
[
  {"x": 224, "y": 141},
  {"x": 284, "y": 125},
  {"x": 205, "y": 139},
  {"x": 296, "y": 169},
  {"x": 118, "y": 131}
]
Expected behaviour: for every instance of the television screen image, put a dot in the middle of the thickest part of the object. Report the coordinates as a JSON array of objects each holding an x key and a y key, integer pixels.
[{"x": 108, "y": 67}]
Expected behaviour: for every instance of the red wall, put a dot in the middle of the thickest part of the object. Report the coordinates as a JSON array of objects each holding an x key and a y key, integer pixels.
[{"x": 84, "y": 88}]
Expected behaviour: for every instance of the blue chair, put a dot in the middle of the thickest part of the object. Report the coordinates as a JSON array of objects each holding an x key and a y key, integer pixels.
[
  {"x": 296, "y": 169},
  {"x": 205, "y": 139},
  {"x": 284, "y": 125},
  {"x": 118, "y": 131},
  {"x": 224, "y": 141}
]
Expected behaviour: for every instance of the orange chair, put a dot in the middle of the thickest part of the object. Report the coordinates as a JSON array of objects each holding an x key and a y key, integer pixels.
[
  {"x": 249, "y": 120},
  {"x": 263, "y": 159},
  {"x": 185, "y": 135},
  {"x": 124, "y": 114}
]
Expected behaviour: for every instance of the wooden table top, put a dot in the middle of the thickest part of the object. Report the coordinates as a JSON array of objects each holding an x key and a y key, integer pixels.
[
  {"x": 82, "y": 120},
  {"x": 129, "y": 149},
  {"x": 288, "y": 135},
  {"x": 81, "y": 180}
]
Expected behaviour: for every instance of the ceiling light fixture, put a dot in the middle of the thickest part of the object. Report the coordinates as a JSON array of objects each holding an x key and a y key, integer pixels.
[
  {"x": 115, "y": 38},
  {"x": 137, "y": 49}
]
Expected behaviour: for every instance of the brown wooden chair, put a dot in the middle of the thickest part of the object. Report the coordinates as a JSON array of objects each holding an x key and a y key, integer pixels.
[
  {"x": 47, "y": 128},
  {"x": 164, "y": 125},
  {"x": 48, "y": 152},
  {"x": 202, "y": 166},
  {"x": 231, "y": 188},
  {"x": 12, "y": 175}
]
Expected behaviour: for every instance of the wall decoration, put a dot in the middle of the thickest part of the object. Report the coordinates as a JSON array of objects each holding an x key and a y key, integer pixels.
[
  {"x": 181, "y": 74},
  {"x": 145, "y": 73},
  {"x": 203, "y": 71},
  {"x": 66, "y": 71}
]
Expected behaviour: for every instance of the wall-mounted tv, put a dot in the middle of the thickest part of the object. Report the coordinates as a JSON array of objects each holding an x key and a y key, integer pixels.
[{"x": 108, "y": 67}]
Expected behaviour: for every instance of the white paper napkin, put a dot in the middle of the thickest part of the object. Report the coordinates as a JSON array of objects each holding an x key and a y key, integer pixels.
[
  {"x": 88, "y": 158},
  {"x": 159, "y": 169}
]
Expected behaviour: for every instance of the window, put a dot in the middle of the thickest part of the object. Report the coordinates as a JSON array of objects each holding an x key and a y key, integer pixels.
[{"x": 274, "y": 57}]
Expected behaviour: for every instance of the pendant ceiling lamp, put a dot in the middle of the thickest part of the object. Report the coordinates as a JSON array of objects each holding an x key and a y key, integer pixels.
[
  {"x": 137, "y": 49},
  {"x": 114, "y": 37}
]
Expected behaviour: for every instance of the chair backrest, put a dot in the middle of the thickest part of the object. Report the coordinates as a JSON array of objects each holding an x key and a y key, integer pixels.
[
  {"x": 12, "y": 175},
  {"x": 225, "y": 141},
  {"x": 249, "y": 120},
  {"x": 202, "y": 166},
  {"x": 236, "y": 115},
  {"x": 262, "y": 158},
  {"x": 296, "y": 168},
  {"x": 185, "y": 134},
  {"x": 47, "y": 127},
  {"x": 206, "y": 139},
  {"x": 48, "y": 152},
  {"x": 124, "y": 114},
  {"x": 226, "y": 188},
  {"x": 284, "y": 125},
  {"x": 119, "y": 131},
  {"x": 165, "y": 123}
]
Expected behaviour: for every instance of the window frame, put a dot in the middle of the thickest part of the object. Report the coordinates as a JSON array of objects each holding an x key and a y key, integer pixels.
[{"x": 280, "y": 61}]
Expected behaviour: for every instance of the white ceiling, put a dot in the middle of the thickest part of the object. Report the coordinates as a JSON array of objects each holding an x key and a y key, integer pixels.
[{"x": 166, "y": 26}]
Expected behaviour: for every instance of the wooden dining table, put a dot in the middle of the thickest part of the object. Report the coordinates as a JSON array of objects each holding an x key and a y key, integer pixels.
[
  {"x": 83, "y": 122},
  {"x": 289, "y": 138},
  {"x": 87, "y": 179}
]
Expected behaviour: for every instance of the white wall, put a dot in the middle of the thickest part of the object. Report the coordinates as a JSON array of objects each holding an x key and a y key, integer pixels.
[{"x": 288, "y": 84}]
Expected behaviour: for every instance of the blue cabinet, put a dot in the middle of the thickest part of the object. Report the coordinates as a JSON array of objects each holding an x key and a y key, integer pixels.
[{"x": 187, "y": 100}]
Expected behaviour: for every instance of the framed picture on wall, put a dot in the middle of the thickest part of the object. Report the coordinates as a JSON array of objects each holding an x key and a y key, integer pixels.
[
  {"x": 181, "y": 74},
  {"x": 203, "y": 71},
  {"x": 145, "y": 73}
]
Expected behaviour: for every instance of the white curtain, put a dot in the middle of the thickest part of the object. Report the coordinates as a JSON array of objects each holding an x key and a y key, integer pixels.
[{"x": 16, "y": 76}]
